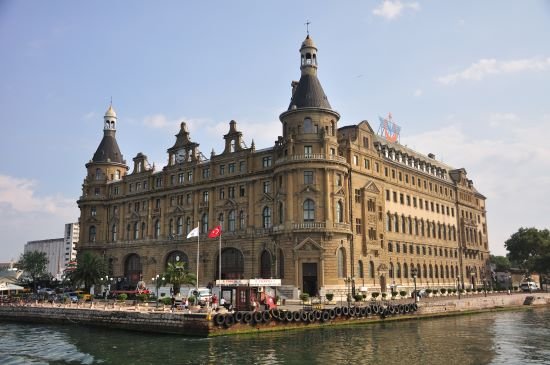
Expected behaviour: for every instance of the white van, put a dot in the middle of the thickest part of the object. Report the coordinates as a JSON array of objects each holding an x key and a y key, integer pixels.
[{"x": 528, "y": 286}]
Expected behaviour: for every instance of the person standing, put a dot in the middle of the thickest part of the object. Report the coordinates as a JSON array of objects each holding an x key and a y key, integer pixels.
[{"x": 214, "y": 302}]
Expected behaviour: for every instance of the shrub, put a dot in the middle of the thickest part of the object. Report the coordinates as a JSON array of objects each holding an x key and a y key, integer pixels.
[
  {"x": 166, "y": 300},
  {"x": 468, "y": 290},
  {"x": 428, "y": 291},
  {"x": 393, "y": 294},
  {"x": 384, "y": 295},
  {"x": 142, "y": 297},
  {"x": 479, "y": 290},
  {"x": 442, "y": 290},
  {"x": 329, "y": 296},
  {"x": 403, "y": 293},
  {"x": 358, "y": 297},
  {"x": 122, "y": 297},
  {"x": 304, "y": 297},
  {"x": 375, "y": 295},
  {"x": 191, "y": 299}
]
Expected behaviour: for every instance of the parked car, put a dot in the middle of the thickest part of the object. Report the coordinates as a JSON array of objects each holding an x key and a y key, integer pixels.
[
  {"x": 46, "y": 291},
  {"x": 420, "y": 293},
  {"x": 73, "y": 297},
  {"x": 528, "y": 286}
]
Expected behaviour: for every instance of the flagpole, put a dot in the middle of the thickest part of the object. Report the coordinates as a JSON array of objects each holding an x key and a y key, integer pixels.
[
  {"x": 220, "y": 264},
  {"x": 198, "y": 248}
]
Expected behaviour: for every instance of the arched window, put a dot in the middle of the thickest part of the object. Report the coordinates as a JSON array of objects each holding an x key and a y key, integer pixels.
[
  {"x": 371, "y": 269},
  {"x": 180, "y": 226},
  {"x": 281, "y": 213},
  {"x": 132, "y": 269},
  {"x": 388, "y": 222},
  {"x": 425, "y": 271},
  {"x": 204, "y": 222},
  {"x": 266, "y": 217},
  {"x": 136, "y": 230},
  {"x": 232, "y": 264},
  {"x": 113, "y": 233},
  {"x": 309, "y": 211},
  {"x": 171, "y": 227},
  {"x": 98, "y": 174},
  {"x": 220, "y": 219},
  {"x": 403, "y": 224},
  {"x": 396, "y": 222},
  {"x": 405, "y": 271},
  {"x": 128, "y": 230},
  {"x": 157, "y": 228},
  {"x": 92, "y": 234},
  {"x": 436, "y": 272},
  {"x": 418, "y": 271},
  {"x": 360, "y": 269},
  {"x": 231, "y": 221},
  {"x": 339, "y": 212},
  {"x": 177, "y": 256},
  {"x": 441, "y": 274},
  {"x": 447, "y": 271},
  {"x": 341, "y": 263},
  {"x": 390, "y": 246},
  {"x": 391, "y": 272},
  {"x": 308, "y": 125},
  {"x": 332, "y": 128},
  {"x": 398, "y": 270},
  {"x": 143, "y": 230},
  {"x": 431, "y": 271},
  {"x": 409, "y": 220},
  {"x": 281, "y": 260},
  {"x": 265, "y": 265},
  {"x": 241, "y": 219}
]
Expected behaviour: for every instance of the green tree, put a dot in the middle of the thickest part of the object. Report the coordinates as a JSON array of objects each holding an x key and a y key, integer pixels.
[
  {"x": 34, "y": 264},
  {"x": 177, "y": 275},
  {"x": 90, "y": 268},
  {"x": 530, "y": 249},
  {"x": 501, "y": 263}
]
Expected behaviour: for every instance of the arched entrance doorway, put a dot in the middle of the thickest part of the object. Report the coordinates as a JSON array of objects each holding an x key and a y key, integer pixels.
[
  {"x": 232, "y": 264},
  {"x": 177, "y": 256},
  {"x": 265, "y": 265},
  {"x": 132, "y": 270}
]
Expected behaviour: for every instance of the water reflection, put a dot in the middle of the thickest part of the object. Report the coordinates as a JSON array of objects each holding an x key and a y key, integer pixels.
[{"x": 490, "y": 338}]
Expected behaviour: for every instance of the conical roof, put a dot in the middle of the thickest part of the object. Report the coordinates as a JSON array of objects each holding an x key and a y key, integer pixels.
[
  {"x": 309, "y": 94},
  {"x": 108, "y": 150}
]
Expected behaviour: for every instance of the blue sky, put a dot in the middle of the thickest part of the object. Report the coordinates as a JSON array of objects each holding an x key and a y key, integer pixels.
[{"x": 466, "y": 80}]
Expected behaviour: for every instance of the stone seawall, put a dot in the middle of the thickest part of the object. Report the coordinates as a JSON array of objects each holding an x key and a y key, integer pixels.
[
  {"x": 202, "y": 325},
  {"x": 188, "y": 324}
]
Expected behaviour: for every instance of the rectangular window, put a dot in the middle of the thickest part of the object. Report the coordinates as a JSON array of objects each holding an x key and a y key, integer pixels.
[
  {"x": 205, "y": 196},
  {"x": 365, "y": 142},
  {"x": 401, "y": 198},
  {"x": 356, "y": 160},
  {"x": 420, "y": 203},
  {"x": 308, "y": 151},
  {"x": 338, "y": 180},
  {"x": 332, "y": 151},
  {"x": 357, "y": 225},
  {"x": 386, "y": 172},
  {"x": 367, "y": 163},
  {"x": 96, "y": 191},
  {"x": 189, "y": 176},
  {"x": 241, "y": 191},
  {"x": 357, "y": 195},
  {"x": 205, "y": 173},
  {"x": 376, "y": 167},
  {"x": 130, "y": 187},
  {"x": 267, "y": 187},
  {"x": 242, "y": 166},
  {"x": 222, "y": 170},
  {"x": 157, "y": 203},
  {"x": 414, "y": 201},
  {"x": 437, "y": 208},
  {"x": 266, "y": 161},
  {"x": 231, "y": 192},
  {"x": 188, "y": 198},
  {"x": 231, "y": 168},
  {"x": 308, "y": 177},
  {"x": 409, "y": 200},
  {"x": 412, "y": 180},
  {"x": 392, "y": 173},
  {"x": 158, "y": 182},
  {"x": 116, "y": 190},
  {"x": 388, "y": 195},
  {"x": 400, "y": 176},
  {"x": 395, "y": 197},
  {"x": 222, "y": 193},
  {"x": 406, "y": 178},
  {"x": 180, "y": 178}
]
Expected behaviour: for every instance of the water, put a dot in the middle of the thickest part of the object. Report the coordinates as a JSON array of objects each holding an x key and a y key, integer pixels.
[{"x": 490, "y": 338}]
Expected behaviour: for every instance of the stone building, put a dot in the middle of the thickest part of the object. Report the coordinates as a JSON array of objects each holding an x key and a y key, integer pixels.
[{"x": 326, "y": 209}]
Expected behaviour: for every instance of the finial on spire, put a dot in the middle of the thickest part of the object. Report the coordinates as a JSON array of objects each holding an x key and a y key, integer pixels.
[
  {"x": 307, "y": 23},
  {"x": 111, "y": 100}
]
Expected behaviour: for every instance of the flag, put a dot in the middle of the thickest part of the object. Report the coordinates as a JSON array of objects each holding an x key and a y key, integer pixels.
[
  {"x": 193, "y": 233},
  {"x": 215, "y": 232}
]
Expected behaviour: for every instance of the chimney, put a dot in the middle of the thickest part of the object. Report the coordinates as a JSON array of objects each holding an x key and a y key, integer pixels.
[{"x": 431, "y": 155}]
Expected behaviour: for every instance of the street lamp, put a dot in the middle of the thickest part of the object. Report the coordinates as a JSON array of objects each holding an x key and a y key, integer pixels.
[
  {"x": 458, "y": 285},
  {"x": 348, "y": 280},
  {"x": 509, "y": 284},
  {"x": 158, "y": 280},
  {"x": 484, "y": 283},
  {"x": 414, "y": 271}
]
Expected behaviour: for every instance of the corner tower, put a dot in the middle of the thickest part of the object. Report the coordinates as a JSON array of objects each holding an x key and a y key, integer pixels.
[{"x": 106, "y": 166}]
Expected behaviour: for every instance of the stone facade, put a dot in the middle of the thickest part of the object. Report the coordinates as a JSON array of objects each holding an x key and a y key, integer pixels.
[{"x": 326, "y": 209}]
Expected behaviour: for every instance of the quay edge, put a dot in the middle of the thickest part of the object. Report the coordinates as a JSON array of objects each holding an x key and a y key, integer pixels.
[{"x": 202, "y": 324}]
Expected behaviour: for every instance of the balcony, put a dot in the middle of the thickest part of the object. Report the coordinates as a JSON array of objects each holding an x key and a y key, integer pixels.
[{"x": 311, "y": 157}]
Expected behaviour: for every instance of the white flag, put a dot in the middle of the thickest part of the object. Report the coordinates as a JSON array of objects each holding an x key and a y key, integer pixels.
[{"x": 193, "y": 233}]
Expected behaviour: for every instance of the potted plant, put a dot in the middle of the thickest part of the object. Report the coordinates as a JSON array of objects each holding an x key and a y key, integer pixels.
[
  {"x": 393, "y": 295},
  {"x": 384, "y": 295},
  {"x": 304, "y": 297},
  {"x": 374, "y": 295},
  {"x": 329, "y": 296},
  {"x": 122, "y": 297},
  {"x": 191, "y": 299},
  {"x": 443, "y": 291},
  {"x": 358, "y": 297},
  {"x": 429, "y": 292},
  {"x": 403, "y": 293}
]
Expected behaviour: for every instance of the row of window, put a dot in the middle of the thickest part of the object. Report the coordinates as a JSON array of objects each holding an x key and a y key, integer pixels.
[
  {"x": 405, "y": 199},
  {"x": 437, "y": 251},
  {"x": 414, "y": 162},
  {"x": 419, "y": 227}
]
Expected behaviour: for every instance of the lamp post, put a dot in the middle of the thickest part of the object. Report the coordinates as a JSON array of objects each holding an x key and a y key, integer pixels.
[
  {"x": 484, "y": 283},
  {"x": 458, "y": 285},
  {"x": 158, "y": 280},
  {"x": 414, "y": 271},
  {"x": 347, "y": 281},
  {"x": 509, "y": 284}
]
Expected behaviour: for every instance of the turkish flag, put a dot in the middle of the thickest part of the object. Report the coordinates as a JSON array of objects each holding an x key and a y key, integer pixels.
[{"x": 215, "y": 232}]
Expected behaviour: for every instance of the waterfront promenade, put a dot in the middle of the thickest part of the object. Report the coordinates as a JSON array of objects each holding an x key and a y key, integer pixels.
[{"x": 147, "y": 317}]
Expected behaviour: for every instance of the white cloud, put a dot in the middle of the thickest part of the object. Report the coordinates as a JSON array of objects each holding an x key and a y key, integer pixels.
[
  {"x": 511, "y": 168},
  {"x": 391, "y": 9},
  {"x": 23, "y": 212},
  {"x": 418, "y": 92},
  {"x": 484, "y": 67}
]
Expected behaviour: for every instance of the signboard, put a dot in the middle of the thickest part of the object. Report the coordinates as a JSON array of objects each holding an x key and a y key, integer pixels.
[
  {"x": 249, "y": 282},
  {"x": 388, "y": 129}
]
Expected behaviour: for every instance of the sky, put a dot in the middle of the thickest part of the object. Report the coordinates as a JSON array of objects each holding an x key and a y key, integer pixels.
[{"x": 465, "y": 80}]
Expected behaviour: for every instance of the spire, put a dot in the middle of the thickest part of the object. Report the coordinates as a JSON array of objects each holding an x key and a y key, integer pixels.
[
  {"x": 108, "y": 150},
  {"x": 308, "y": 92}
]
